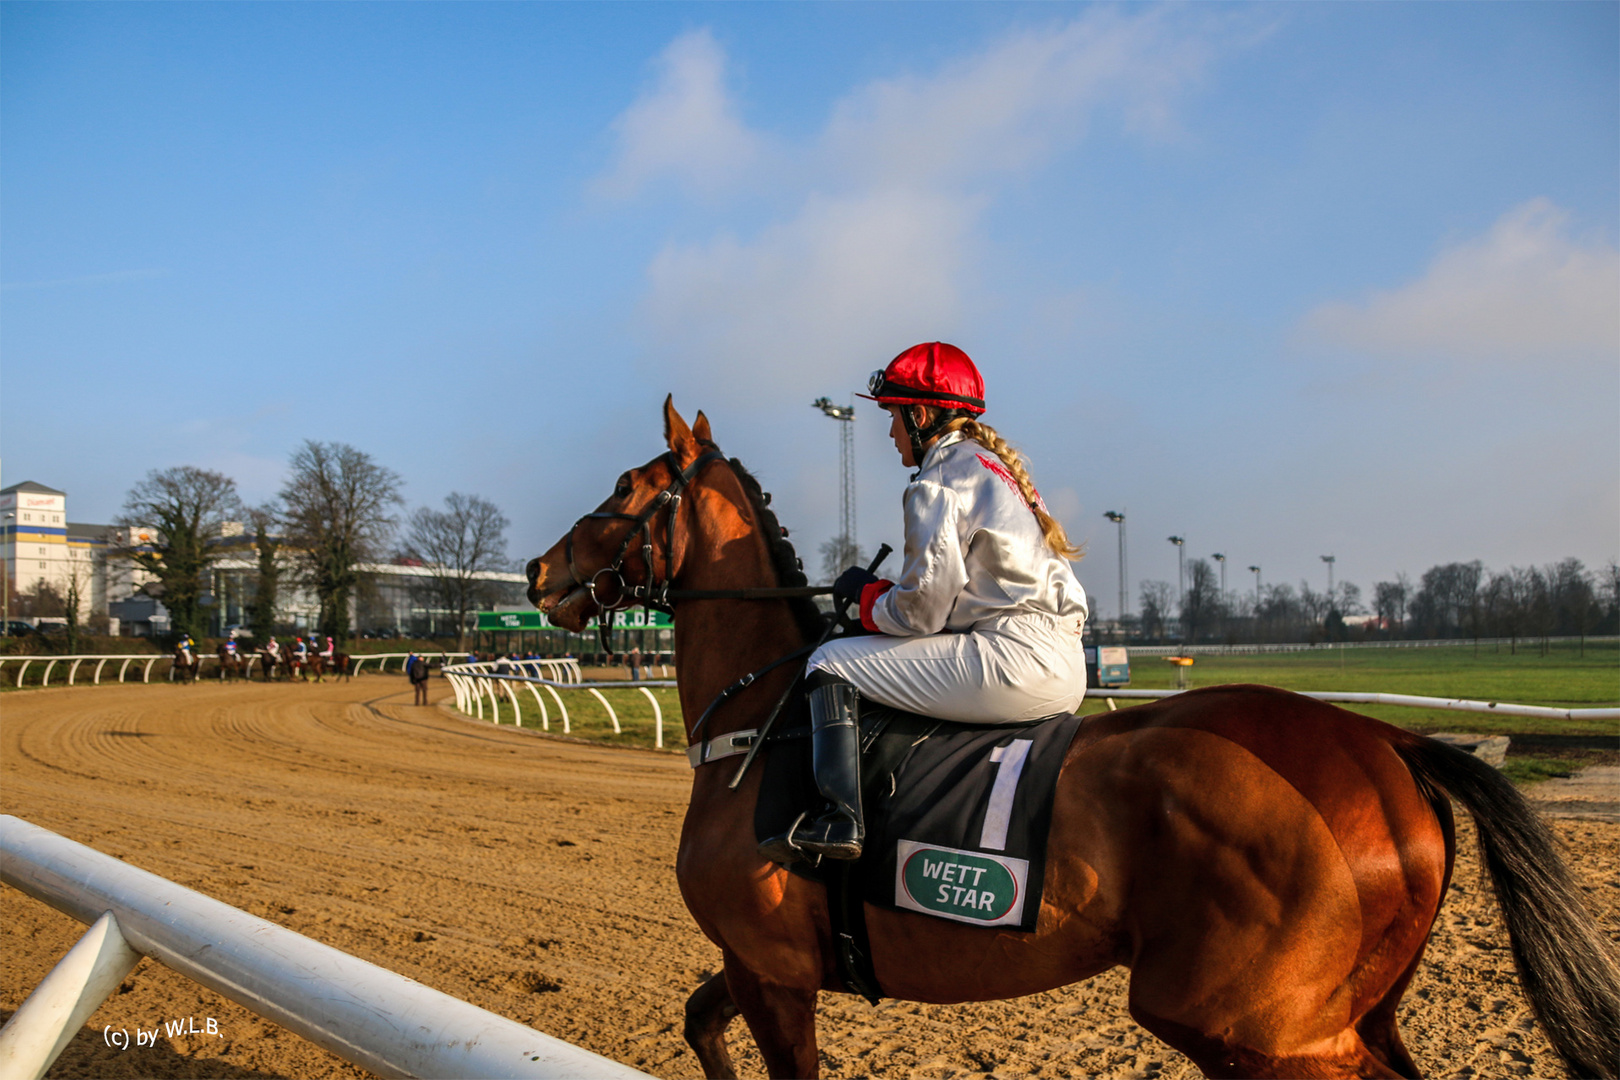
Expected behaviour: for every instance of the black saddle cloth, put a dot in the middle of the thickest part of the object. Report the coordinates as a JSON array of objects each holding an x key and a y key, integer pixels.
[{"x": 957, "y": 815}]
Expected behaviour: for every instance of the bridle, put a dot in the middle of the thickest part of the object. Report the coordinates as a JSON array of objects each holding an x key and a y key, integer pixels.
[
  {"x": 653, "y": 594},
  {"x": 656, "y": 594}
]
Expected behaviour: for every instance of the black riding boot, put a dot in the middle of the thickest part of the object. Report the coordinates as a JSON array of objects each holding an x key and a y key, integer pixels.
[{"x": 835, "y": 753}]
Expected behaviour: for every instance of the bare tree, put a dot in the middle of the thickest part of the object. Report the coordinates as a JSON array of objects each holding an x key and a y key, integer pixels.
[
  {"x": 1389, "y": 600},
  {"x": 838, "y": 555},
  {"x": 261, "y": 613},
  {"x": 337, "y": 506},
  {"x": 81, "y": 575},
  {"x": 1201, "y": 604},
  {"x": 185, "y": 507},
  {"x": 458, "y": 546},
  {"x": 1155, "y": 607}
]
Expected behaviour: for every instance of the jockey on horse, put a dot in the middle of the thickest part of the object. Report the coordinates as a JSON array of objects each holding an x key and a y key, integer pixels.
[{"x": 984, "y": 623}]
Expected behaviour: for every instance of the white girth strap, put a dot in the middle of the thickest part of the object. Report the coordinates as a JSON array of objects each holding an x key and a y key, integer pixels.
[{"x": 728, "y": 745}]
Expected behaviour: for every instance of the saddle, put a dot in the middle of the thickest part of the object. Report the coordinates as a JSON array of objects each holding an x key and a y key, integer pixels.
[{"x": 956, "y": 821}]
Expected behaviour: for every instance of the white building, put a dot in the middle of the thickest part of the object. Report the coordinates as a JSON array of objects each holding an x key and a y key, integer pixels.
[{"x": 40, "y": 547}]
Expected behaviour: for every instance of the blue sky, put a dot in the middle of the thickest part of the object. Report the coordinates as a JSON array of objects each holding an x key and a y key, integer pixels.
[{"x": 1285, "y": 279}]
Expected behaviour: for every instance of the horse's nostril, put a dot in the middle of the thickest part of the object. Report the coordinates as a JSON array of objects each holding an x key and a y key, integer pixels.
[{"x": 533, "y": 569}]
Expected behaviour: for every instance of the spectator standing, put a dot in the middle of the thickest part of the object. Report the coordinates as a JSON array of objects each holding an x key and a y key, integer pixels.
[
  {"x": 632, "y": 660},
  {"x": 416, "y": 668}
]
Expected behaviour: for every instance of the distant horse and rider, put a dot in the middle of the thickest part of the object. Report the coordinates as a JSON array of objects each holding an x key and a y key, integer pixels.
[
  {"x": 336, "y": 664},
  {"x": 232, "y": 665},
  {"x": 271, "y": 659},
  {"x": 186, "y": 661},
  {"x": 1268, "y": 867}
]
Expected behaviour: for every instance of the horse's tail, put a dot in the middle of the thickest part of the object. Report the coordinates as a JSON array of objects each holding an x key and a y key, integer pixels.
[{"x": 1564, "y": 963}]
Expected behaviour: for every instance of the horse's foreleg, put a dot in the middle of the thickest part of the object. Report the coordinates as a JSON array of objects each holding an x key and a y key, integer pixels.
[
  {"x": 781, "y": 1017},
  {"x": 708, "y": 1012}
]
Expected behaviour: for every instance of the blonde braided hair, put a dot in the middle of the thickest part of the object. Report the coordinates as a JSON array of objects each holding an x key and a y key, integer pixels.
[{"x": 987, "y": 437}]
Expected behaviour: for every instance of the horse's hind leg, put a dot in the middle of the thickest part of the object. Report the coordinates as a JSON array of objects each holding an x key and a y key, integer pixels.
[
  {"x": 708, "y": 1012},
  {"x": 782, "y": 1019}
]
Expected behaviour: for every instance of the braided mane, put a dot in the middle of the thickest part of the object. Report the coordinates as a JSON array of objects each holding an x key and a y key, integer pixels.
[{"x": 784, "y": 560}]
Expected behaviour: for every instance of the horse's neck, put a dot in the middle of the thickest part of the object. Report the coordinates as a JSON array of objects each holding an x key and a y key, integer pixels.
[{"x": 717, "y": 642}]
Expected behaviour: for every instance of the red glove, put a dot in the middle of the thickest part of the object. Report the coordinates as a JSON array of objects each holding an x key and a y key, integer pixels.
[{"x": 869, "y": 597}]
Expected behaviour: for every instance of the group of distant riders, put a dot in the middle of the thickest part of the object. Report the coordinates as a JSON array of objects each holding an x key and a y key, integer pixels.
[{"x": 299, "y": 658}]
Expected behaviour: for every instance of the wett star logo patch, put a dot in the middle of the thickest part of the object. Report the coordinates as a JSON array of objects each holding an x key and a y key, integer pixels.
[{"x": 967, "y": 886}]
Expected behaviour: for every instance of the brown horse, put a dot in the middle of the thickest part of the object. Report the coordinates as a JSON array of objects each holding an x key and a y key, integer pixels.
[
  {"x": 339, "y": 666},
  {"x": 1269, "y": 867},
  {"x": 230, "y": 663},
  {"x": 271, "y": 658},
  {"x": 184, "y": 665}
]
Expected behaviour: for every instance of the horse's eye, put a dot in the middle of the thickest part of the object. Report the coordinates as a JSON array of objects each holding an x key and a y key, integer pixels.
[{"x": 622, "y": 488}]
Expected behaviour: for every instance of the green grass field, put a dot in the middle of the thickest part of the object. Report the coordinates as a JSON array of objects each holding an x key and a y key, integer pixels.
[
  {"x": 1561, "y": 679},
  {"x": 587, "y": 719}
]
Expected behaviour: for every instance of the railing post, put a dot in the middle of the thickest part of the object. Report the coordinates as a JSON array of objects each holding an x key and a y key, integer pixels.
[
  {"x": 40, "y": 1030},
  {"x": 613, "y": 716},
  {"x": 658, "y": 718}
]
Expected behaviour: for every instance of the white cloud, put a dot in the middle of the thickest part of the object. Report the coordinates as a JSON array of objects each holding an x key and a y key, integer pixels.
[
  {"x": 1006, "y": 109},
  {"x": 1524, "y": 291},
  {"x": 876, "y": 247},
  {"x": 685, "y": 128},
  {"x": 815, "y": 299}
]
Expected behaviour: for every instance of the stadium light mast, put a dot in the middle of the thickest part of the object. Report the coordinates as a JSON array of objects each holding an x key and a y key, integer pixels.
[
  {"x": 845, "y": 415},
  {"x": 1118, "y": 518},
  {"x": 1329, "y": 559},
  {"x": 1181, "y": 569},
  {"x": 1218, "y": 557},
  {"x": 1256, "y": 571}
]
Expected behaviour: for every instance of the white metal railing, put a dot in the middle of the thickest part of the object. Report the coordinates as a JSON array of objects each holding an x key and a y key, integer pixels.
[
  {"x": 1324, "y": 646},
  {"x": 365, "y": 1014},
  {"x": 356, "y": 659},
  {"x": 74, "y": 661},
  {"x": 474, "y": 683},
  {"x": 1500, "y": 708}
]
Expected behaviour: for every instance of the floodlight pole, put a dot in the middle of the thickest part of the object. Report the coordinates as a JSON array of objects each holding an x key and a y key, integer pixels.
[
  {"x": 1256, "y": 571},
  {"x": 1218, "y": 557},
  {"x": 1118, "y": 518},
  {"x": 1181, "y": 569},
  {"x": 845, "y": 415},
  {"x": 1329, "y": 559}
]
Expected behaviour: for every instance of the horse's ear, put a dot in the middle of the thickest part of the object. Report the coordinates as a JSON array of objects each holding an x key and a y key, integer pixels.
[
  {"x": 700, "y": 429},
  {"x": 677, "y": 435}
]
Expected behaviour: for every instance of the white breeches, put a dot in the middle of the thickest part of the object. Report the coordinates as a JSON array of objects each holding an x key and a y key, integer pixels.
[{"x": 1005, "y": 670}]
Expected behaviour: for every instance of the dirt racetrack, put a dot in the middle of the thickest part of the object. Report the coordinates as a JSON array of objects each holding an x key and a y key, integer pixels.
[{"x": 535, "y": 878}]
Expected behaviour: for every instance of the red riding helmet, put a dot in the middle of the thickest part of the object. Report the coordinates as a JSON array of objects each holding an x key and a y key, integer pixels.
[{"x": 930, "y": 374}]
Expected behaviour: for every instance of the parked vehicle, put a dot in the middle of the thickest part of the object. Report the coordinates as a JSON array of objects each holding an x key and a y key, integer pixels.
[{"x": 1107, "y": 666}]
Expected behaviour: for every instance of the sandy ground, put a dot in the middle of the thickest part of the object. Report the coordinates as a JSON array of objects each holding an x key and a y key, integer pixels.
[{"x": 535, "y": 878}]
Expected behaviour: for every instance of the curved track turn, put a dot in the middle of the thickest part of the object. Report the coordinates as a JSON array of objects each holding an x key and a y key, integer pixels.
[{"x": 535, "y": 878}]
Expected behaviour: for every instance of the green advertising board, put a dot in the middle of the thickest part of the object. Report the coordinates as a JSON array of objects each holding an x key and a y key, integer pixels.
[{"x": 634, "y": 619}]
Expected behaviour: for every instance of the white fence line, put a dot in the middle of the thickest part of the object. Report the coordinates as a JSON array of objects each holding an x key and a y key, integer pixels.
[
  {"x": 473, "y": 683},
  {"x": 1324, "y": 646},
  {"x": 356, "y": 659},
  {"x": 73, "y": 661},
  {"x": 77, "y": 659},
  {"x": 365, "y": 1014},
  {"x": 1501, "y": 708}
]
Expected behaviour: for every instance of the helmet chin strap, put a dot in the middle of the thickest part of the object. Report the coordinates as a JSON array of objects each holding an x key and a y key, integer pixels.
[{"x": 920, "y": 437}]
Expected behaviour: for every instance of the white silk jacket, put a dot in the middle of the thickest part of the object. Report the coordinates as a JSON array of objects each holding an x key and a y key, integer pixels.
[{"x": 974, "y": 550}]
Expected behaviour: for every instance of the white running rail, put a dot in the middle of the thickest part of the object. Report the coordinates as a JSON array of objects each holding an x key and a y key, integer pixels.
[
  {"x": 365, "y": 1014},
  {"x": 1500, "y": 708},
  {"x": 474, "y": 683},
  {"x": 73, "y": 663},
  {"x": 356, "y": 659}
]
